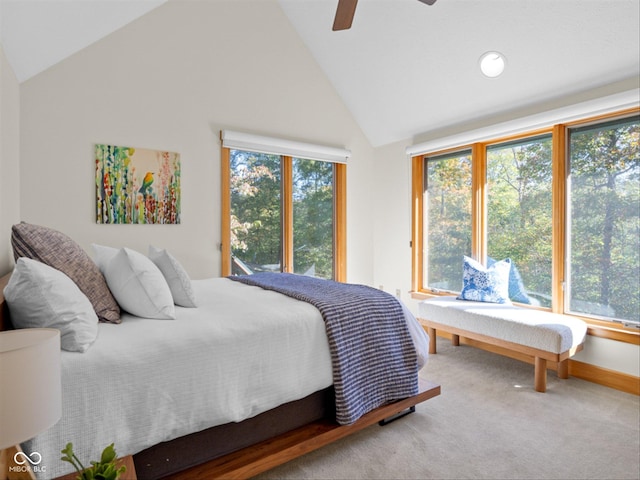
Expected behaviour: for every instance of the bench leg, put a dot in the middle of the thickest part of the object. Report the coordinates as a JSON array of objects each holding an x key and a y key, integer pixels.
[
  {"x": 563, "y": 369},
  {"x": 432, "y": 340},
  {"x": 540, "y": 375},
  {"x": 455, "y": 340}
]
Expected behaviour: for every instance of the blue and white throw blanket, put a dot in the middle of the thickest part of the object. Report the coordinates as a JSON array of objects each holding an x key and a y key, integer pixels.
[{"x": 373, "y": 356}]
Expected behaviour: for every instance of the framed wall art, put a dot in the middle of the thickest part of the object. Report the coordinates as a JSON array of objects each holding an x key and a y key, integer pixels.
[{"x": 137, "y": 185}]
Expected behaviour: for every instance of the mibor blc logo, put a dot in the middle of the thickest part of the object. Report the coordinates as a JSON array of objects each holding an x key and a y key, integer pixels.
[{"x": 23, "y": 462}]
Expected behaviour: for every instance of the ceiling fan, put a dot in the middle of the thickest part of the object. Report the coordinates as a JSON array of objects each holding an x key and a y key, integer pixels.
[{"x": 346, "y": 10}]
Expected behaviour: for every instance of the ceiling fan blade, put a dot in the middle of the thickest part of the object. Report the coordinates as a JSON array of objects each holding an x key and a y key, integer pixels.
[
  {"x": 344, "y": 14},
  {"x": 428, "y": 2}
]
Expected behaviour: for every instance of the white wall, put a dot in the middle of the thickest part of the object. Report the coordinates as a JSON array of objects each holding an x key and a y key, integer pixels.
[
  {"x": 9, "y": 159},
  {"x": 392, "y": 222},
  {"x": 172, "y": 80}
]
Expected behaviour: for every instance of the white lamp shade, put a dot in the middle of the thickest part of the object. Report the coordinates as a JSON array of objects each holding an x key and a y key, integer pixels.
[{"x": 30, "y": 384}]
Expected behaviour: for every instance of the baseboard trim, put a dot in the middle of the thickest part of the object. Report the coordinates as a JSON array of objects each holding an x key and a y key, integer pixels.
[
  {"x": 604, "y": 376},
  {"x": 585, "y": 371}
]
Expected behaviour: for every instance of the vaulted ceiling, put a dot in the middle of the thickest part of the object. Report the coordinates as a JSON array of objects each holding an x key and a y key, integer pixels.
[{"x": 404, "y": 68}]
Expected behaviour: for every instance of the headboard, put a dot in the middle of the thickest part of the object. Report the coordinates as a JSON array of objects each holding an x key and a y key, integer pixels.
[{"x": 5, "y": 321}]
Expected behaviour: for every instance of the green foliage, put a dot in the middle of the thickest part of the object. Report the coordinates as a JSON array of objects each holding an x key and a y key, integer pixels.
[
  {"x": 519, "y": 180},
  {"x": 603, "y": 233},
  {"x": 105, "y": 469},
  {"x": 256, "y": 213},
  {"x": 448, "y": 205},
  {"x": 255, "y": 208},
  {"x": 313, "y": 217},
  {"x": 605, "y": 220}
]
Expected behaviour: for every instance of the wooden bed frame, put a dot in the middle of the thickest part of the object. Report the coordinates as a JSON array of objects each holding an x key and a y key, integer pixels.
[{"x": 267, "y": 454}]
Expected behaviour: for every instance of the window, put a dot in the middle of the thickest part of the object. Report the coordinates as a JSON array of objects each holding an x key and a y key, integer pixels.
[
  {"x": 313, "y": 230},
  {"x": 256, "y": 220},
  {"x": 519, "y": 215},
  {"x": 563, "y": 203},
  {"x": 604, "y": 212},
  {"x": 282, "y": 213},
  {"x": 447, "y": 225}
]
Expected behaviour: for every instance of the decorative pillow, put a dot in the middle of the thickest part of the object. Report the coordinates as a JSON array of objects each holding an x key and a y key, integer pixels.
[
  {"x": 39, "y": 296},
  {"x": 517, "y": 292},
  {"x": 60, "y": 252},
  {"x": 103, "y": 255},
  {"x": 139, "y": 286},
  {"x": 482, "y": 284},
  {"x": 175, "y": 275}
]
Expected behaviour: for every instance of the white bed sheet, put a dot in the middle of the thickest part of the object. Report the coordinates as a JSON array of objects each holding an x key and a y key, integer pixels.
[{"x": 244, "y": 350}]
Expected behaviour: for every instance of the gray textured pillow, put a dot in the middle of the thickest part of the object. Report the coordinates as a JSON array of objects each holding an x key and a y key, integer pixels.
[{"x": 62, "y": 253}]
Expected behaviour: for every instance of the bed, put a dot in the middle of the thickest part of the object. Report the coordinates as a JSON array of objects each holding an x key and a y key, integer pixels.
[{"x": 233, "y": 387}]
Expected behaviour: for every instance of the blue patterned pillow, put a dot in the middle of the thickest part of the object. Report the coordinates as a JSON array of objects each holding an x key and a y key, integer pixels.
[
  {"x": 517, "y": 292},
  {"x": 482, "y": 284}
]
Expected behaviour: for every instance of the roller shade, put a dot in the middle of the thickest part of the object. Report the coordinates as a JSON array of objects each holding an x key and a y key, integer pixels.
[
  {"x": 571, "y": 113},
  {"x": 278, "y": 146}
]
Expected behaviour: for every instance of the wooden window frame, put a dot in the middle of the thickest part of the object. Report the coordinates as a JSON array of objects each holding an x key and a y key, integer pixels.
[
  {"x": 339, "y": 216},
  {"x": 559, "y": 134}
]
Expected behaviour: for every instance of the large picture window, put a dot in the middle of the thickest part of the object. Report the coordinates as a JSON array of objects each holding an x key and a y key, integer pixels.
[
  {"x": 563, "y": 203},
  {"x": 519, "y": 215},
  {"x": 604, "y": 228},
  {"x": 313, "y": 222},
  {"x": 281, "y": 213},
  {"x": 447, "y": 225},
  {"x": 256, "y": 212}
]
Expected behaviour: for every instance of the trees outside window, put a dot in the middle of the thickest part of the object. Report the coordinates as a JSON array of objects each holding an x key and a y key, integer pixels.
[
  {"x": 313, "y": 218},
  {"x": 447, "y": 199},
  {"x": 519, "y": 214},
  {"x": 604, "y": 212},
  {"x": 281, "y": 214},
  {"x": 563, "y": 203},
  {"x": 256, "y": 220}
]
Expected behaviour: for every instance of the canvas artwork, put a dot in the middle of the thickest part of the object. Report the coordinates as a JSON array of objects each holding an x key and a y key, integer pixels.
[{"x": 137, "y": 185}]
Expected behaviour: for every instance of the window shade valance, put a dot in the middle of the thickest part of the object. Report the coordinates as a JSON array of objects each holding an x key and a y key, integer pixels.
[
  {"x": 601, "y": 106},
  {"x": 278, "y": 146}
]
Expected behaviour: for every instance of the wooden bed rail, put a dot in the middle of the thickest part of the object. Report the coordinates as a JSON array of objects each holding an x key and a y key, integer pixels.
[{"x": 271, "y": 453}]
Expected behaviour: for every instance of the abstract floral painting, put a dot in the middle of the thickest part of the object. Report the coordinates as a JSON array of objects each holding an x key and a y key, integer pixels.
[{"x": 137, "y": 185}]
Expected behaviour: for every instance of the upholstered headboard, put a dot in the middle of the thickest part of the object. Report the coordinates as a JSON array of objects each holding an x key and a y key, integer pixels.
[{"x": 5, "y": 322}]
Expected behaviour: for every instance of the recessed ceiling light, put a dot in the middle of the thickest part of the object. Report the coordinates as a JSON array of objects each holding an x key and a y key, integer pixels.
[{"x": 492, "y": 64}]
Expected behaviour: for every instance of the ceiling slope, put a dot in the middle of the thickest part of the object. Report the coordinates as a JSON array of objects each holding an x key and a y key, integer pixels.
[
  {"x": 404, "y": 68},
  {"x": 37, "y": 34}
]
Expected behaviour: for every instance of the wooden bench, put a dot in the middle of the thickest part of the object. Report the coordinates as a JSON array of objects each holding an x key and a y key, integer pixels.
[{"x": 534, "y": 333}]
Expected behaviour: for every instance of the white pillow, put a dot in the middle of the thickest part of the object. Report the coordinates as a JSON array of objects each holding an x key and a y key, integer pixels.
[
  {"x": 103, "y": 255},
  {"x": 39, "y": 296},
  {"x": 139, "y": 286},
  {"x": 175, "y": 275}
]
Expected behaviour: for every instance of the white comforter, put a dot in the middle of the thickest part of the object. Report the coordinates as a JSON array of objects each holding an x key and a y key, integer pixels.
[{"x": 244, "y": 350}]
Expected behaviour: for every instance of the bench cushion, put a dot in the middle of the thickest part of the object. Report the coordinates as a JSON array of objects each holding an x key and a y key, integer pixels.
[{"x": 550, "y": 332}]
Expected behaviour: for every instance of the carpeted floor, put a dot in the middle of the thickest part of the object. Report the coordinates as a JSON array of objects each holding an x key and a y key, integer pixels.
[{"x": 489, "y": 423}]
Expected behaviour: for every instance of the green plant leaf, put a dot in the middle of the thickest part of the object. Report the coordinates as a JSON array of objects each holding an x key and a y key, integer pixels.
[
  {"x": 105, "y": 469},
  {"x": 108, "y": 454}
]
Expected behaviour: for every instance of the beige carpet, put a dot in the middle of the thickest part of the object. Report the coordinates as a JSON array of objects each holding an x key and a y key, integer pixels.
[{"x": 489, "y": 423}]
